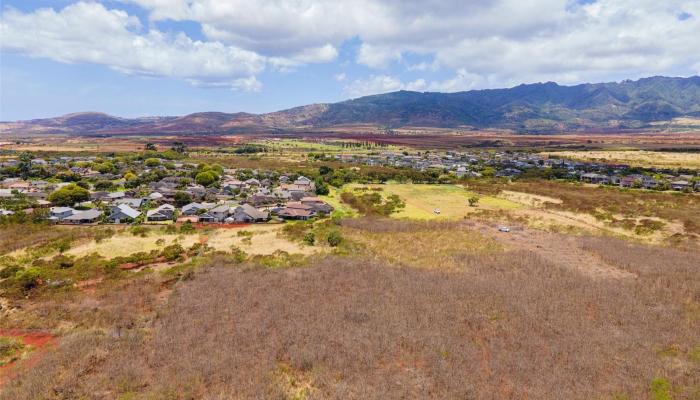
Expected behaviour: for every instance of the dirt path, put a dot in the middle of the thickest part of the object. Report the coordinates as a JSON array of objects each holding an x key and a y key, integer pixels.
[{"x": 556, "y": 248}]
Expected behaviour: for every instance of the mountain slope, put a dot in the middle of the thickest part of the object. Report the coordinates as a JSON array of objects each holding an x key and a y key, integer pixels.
[{"x": 540, "y": 107}]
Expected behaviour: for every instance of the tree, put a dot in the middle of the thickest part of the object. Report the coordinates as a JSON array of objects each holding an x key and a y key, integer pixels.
[
  {"x": 69, "y": 195},
  {"x": 182, "y": 198},
  {"x": 25, "y": 164},
  {"x": 151, "y": 146},
  {"x": 130, "y": 176},
  {"x": 206, "y": 178},
  {"x": 179, "y": 147},
  {"x": 321, "y": 187},
  {"x": 473, "y": 201}
]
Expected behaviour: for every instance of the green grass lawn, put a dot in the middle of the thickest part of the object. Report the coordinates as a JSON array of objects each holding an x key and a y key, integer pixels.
[
  {"x": 452, "y": 200},
  {"x": 333, "y": 198}
]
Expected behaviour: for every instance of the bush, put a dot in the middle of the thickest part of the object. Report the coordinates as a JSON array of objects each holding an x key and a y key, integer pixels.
[
  {"x": 103, "y": 234},
  {"x": 660, "y": 389},
  {"x": 334, "y": 238},
  {"x": 187, "y": 228},
  {"x": 62, "y": 262},
  {"x": 237, "y": 255},
  {"x": 152, "y": 162},
  {"x": 309, "y": 238},
  {"x": 138, "y": 231},
  {"x": 9, "y": 346},
  {"x": 27, "y": 279},
  {"x": 173, "y": 252}
]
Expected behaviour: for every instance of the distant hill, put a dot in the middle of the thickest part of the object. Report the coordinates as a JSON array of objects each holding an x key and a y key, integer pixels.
[{"x": 534, "y": 108}]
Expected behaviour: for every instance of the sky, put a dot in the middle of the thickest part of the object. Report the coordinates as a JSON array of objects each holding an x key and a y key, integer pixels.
[{"x": 173, "y": 57}]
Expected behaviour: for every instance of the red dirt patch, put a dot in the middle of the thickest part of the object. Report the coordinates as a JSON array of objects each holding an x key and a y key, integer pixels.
[{"x": 38, "y": 341}]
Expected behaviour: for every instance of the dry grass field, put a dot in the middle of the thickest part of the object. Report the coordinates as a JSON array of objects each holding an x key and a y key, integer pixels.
[
  {"x": 635, "y": 158},
  {"x": 506, "y": 323},
  {"x": 263, "y": 240}
]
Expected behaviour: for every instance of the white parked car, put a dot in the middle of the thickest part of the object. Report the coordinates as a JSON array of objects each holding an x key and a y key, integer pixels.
[
  {"x": 504, "y": 229},
  {"x": 436, "y": 211}
]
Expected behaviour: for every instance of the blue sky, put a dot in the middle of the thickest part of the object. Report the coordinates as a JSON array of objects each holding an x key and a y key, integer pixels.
[{"x": 173, "y": 57}]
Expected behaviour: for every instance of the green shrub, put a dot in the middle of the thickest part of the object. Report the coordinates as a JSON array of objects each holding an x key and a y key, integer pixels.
[
  {"x": 9, "y": 271},
  {"x": 9, "y": 346},
  {"x": 187, "y": 228},
  {"x": 62, "y": 261},
  {"x": 27, "y": 279},
  {"x": 660, "y": 389},
  {"x": 103, "y": 234},
  {"x": 173, "y": 252},
  {"x": 694, "y": 354},
  {"x": 309, "y": 238},
  {"x": 138, "y": 230},
  {"x": 334, "y": 238},
  {"x": 237, "y": 255}
]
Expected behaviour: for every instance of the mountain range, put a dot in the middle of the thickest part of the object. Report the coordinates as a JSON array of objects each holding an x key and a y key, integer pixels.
[{"x": 528, "y": 108}]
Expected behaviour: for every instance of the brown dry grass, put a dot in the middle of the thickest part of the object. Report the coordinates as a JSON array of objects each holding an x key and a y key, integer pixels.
[
  {"x": 18, "y": 236},
  {"x": 509, "y": 325},
  {"x": 423, "y": 244}
]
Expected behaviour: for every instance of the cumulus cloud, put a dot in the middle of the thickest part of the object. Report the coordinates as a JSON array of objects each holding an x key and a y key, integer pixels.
[
  {"x": 503, "y": 41},
  {"x": 480, "y": 43},
  {"x": 376, "y": 84},
  {"x": 91, "y": 33}
]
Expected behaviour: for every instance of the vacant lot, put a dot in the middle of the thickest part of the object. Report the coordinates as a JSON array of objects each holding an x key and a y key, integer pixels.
[
  {"x": 637, "y": 158},
  {"x": 452, "y": 200},
  {"x": 502, "y": 325}
]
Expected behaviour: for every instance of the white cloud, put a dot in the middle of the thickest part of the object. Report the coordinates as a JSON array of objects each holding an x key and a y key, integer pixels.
[
  {"x": 377, "y": 56},
  {"x": 376, "y": 84},
  {"x": 340, "y": 77},
  {"x": 90, "y": 33},
  {"x": 483, "y": 43},
  {"x": 503, "y": 41}
]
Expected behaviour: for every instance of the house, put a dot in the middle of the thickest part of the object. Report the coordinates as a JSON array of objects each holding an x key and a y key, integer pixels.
[
  {"x": 116, "y": 195},
  {"x": 305, "y": 183},
  {"x": 123, "y": 213},
  {"x": 220, "y": 212},
  {"x": 680, "y": 185},
  {"x": 162, "y": 213},
  {"x": 59, "y": 213},
  {"x": 196, "y": 208},
  {"x": 101, "y": 196},
  {"x": 258, "y": 200},
  {"x": 155, "y": 196},
  {"x": 248, "y": 213},
  {"x": 206, "y": 218},
  {"x": 133, "y": 203},
  {"x": 599, "y": 179},
  {"x": 317, "y": 205},
  {"x": 91, "y": 216},
  {"x": 296, "y": 211}
]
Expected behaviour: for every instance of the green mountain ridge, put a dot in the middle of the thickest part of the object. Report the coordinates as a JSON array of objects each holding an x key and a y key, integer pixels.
[{"x": 532, "y": 108}]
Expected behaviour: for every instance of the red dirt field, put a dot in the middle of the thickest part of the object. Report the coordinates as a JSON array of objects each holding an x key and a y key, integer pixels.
[
  {"x": 38, "y": 340},
  {"x": 415, "y": 137}
]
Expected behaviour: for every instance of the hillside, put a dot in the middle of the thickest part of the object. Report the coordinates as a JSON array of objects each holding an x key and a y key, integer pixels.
[{"x": 535, "y": 108}]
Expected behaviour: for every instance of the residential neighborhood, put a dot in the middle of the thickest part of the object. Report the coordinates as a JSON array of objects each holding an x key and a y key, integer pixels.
[{"x": 156, "y": 191}]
